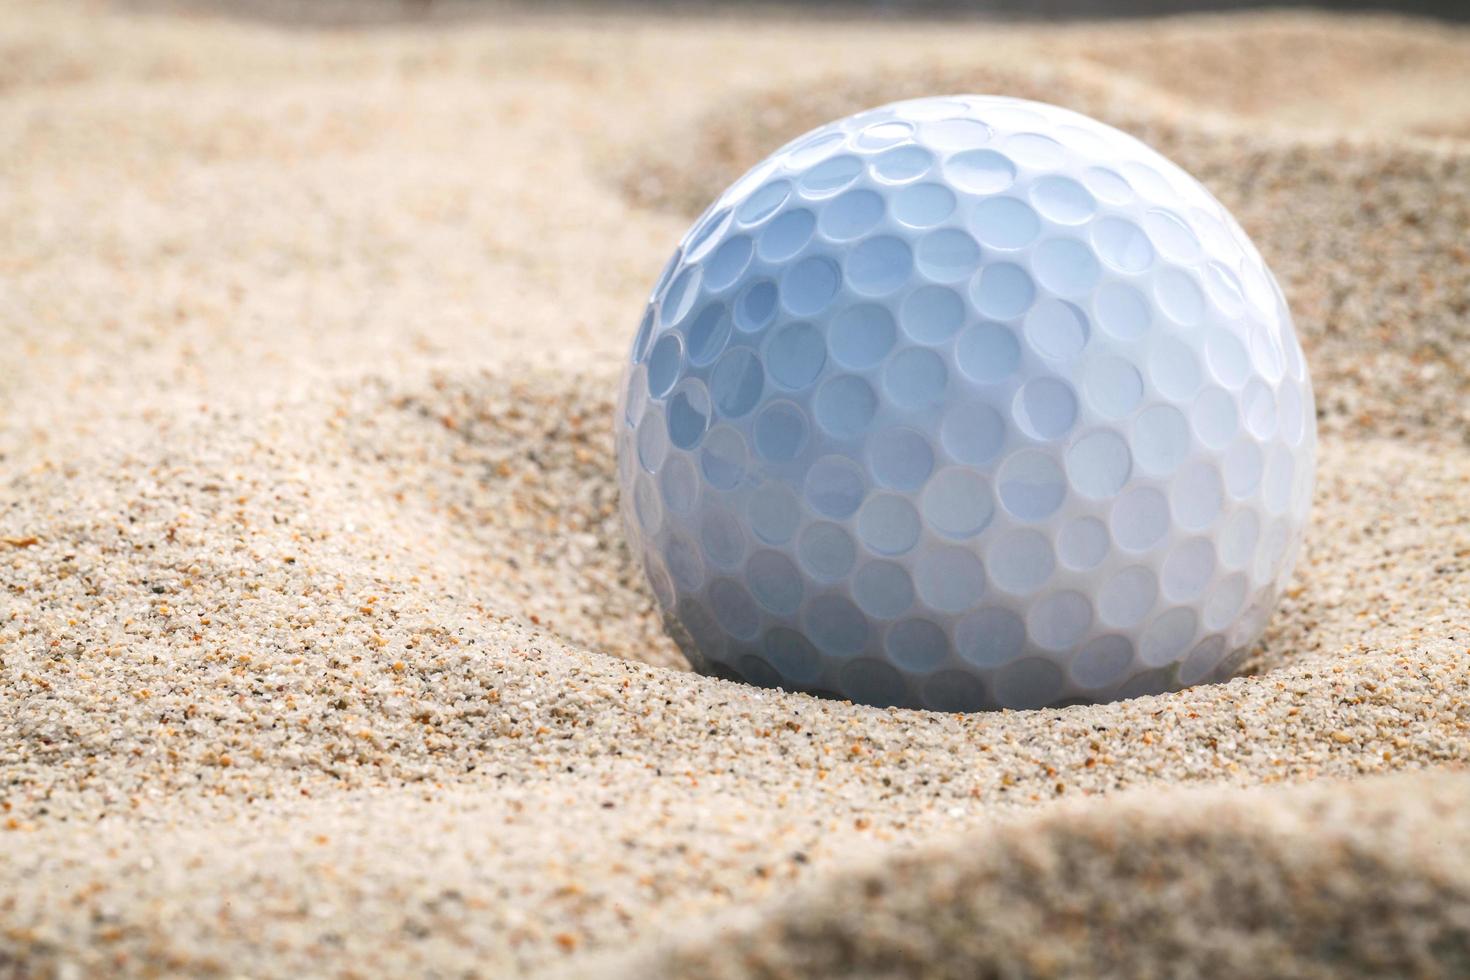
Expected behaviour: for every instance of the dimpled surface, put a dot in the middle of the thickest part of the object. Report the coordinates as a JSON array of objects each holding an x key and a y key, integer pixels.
[{"x": 967, "y": 403}]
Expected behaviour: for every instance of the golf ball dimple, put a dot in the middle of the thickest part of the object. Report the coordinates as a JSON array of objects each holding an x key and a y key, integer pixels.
[{"x": 966, "y": 403}]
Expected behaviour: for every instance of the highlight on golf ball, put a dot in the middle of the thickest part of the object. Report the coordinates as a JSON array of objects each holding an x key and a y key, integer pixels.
[{"x": 966, "y": 403}]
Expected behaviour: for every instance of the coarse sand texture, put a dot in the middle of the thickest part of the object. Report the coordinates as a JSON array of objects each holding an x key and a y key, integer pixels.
[{"x": 321, "y": 648}]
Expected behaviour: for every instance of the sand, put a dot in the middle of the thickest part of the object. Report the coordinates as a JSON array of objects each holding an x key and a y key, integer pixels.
[{"x": 321, "y": 652}]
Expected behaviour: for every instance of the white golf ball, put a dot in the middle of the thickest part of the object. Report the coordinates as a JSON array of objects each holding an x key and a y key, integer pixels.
[{"x": 965, "y": 403}]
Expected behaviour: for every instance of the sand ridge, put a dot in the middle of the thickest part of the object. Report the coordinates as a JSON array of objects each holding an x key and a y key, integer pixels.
[
  {"x": 1349, "y": 879},
  {"x": 322, "y": 652}
]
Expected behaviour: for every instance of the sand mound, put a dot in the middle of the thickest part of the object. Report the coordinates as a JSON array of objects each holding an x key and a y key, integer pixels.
[
  {"x": 320, "y": 650},
  {"x": 1367, "y": 880},
  {"x": 1367, "y": 77}
]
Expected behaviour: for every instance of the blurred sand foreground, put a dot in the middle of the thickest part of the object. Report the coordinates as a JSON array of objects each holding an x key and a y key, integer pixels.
[{"x": 320, "y": 651}]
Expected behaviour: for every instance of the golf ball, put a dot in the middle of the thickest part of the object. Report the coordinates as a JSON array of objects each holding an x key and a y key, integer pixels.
[{"x": 965, "y": 403}]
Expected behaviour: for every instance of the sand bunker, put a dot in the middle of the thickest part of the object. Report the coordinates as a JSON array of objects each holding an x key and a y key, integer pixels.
[{"x": 321, "y": 651}]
